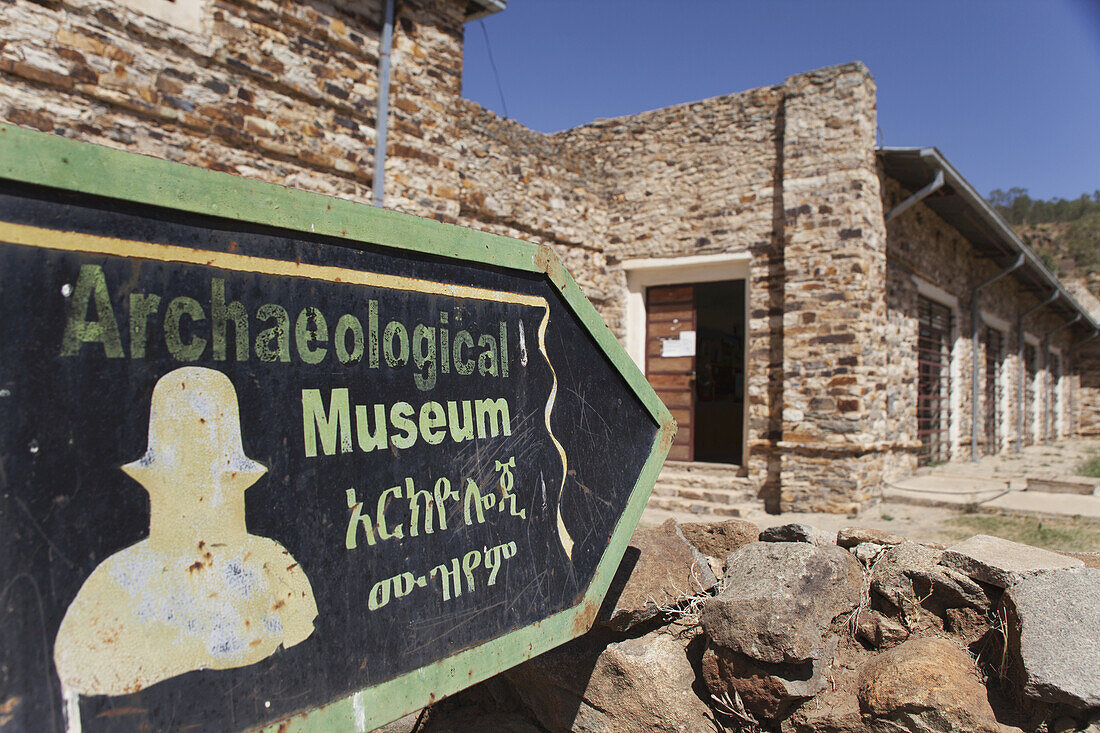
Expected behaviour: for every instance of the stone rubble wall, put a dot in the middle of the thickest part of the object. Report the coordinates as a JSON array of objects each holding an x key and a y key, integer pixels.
[
  {"x": 720, "y": 626},
  {"x": 700, "y": 179},
  {"x": 519, "y": 183},
  {"x": 788, "y": 175},
  {"x": 286, "y": 93}
]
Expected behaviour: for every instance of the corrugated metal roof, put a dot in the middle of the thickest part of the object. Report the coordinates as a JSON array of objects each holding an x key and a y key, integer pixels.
[
  {"x": 957, "y": 203},
  {"x": 476, "y": 9}
]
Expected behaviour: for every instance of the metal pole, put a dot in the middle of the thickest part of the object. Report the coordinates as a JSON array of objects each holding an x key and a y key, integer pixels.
[
  {"x": 1022, "y": 371},
  {"x": 382, "y": 117},
  {"x": 975, "y": 320},
  {"x": 925, "y": 192}
]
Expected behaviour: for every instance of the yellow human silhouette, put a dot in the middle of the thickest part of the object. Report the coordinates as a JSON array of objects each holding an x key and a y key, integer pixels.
[{"x": 200, "y": 592}]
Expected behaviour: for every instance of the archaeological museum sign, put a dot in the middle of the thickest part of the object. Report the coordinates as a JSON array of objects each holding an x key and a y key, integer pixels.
[{"x": 271, "y": 456}]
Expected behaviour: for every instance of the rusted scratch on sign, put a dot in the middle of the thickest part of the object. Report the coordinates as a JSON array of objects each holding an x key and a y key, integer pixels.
[
  {"x": 38, "y": 528},
  {"x": 667, "y": 434},
  {"x": 38, "y": 599},
  {"x": 7, "y": 708},
  {"x": 585, "y": 618},
  {"x": 548, "y": 262}
]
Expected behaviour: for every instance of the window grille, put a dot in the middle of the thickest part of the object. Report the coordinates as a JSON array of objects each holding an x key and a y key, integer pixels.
[
  {"x": 933, "y": 380},
  {"x": 994, "y": 353}
]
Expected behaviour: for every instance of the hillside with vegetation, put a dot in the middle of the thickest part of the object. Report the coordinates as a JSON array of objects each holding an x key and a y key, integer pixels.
[{"x": 1064, "y": 233}]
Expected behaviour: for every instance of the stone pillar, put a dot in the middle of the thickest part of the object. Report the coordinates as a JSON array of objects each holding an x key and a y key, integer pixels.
[{"x": 834, "y": 356}]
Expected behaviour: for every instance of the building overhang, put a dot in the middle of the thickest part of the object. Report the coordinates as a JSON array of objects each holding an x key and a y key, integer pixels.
[
  {"x": 958, "y": 204},
  {"x": 477, "y": 9}
]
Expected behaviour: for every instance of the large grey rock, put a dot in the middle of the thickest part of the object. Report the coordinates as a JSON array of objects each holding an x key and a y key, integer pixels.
[
  {"x": 880, "y": 631},
  {"x": 924, "y": 686},
  {"x": 719, "y": 539},
  {"x": 768, "y": 691},
  {"x": 835, "y": 709},
  {"x": 660, "y": 570},
  {"x": 798, "y": 532},
  {"x": 1002, "y": 562},
  {"x": 909, "y": 575},
  {"x": 1054, "y": 636},
  {"x": 634, "y": 685},
  {"x": 827, "y": 713},
  {"x": 867, "y": 553},
  {"x": 780, "y": 599},
  {"x": 852, "y": 536}
]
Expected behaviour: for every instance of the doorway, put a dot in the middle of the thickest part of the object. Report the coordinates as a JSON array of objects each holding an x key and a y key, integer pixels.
[{"x": 695, "y": 360}]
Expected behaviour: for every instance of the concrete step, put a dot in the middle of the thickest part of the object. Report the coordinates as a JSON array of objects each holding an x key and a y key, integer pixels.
[
  {"x": 694, "y": 506},
  {"x": 702, "y": 488},
  {"x": 697, "y": 475},
  {"x": 715, "y": 496}
]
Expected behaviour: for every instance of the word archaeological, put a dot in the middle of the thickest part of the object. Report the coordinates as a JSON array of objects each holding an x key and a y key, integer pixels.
[{"x": 431, "y": 349}]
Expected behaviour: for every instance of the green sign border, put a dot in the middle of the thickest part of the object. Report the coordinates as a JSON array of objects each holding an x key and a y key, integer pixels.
[{"x": 32, "y": 157}]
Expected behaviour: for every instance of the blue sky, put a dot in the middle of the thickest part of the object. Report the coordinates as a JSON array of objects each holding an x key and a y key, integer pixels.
[{"x": 1008, "y": 90}]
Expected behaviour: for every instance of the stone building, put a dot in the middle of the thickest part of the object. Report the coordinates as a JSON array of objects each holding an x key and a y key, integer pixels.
[{"x": 820, "y": 314}]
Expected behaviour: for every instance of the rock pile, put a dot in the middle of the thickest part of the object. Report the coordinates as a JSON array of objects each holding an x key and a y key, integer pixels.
[{"x": 719, "y": 627}]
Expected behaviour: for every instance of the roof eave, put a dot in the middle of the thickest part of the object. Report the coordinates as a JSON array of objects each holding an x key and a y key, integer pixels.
[
  {"x": 478, "y": 9},
  {"x": 1002, "y": 228}
]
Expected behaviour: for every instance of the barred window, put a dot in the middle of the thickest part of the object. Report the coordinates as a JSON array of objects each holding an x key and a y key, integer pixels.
[{"x": 933, "y": 380}]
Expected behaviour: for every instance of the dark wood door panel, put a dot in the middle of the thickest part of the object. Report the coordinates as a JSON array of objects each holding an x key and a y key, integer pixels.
[{"x": 670, "y": 311}]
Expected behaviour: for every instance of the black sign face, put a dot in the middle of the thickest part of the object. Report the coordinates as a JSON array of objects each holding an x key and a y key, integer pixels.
[{"x": 248, "y": 471}]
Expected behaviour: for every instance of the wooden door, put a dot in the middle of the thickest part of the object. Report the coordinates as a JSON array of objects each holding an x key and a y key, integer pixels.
[{"x": 670, "y": 359}]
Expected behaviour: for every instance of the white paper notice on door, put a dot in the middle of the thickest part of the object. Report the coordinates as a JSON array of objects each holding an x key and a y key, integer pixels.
[{"x": 682, "y": 346}]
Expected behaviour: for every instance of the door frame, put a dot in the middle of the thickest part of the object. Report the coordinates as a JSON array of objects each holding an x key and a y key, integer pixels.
[{"x": 648, "y": 272}]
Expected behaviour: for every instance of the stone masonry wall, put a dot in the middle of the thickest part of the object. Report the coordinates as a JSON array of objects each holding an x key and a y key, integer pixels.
[
  {"x": 524, "y": 184},
  {"x": 785, "y": 174},
  {"x": 283, "y": 92},
  {"x": 921, "y": 246},
  {"x": 699, "y": 179}
]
